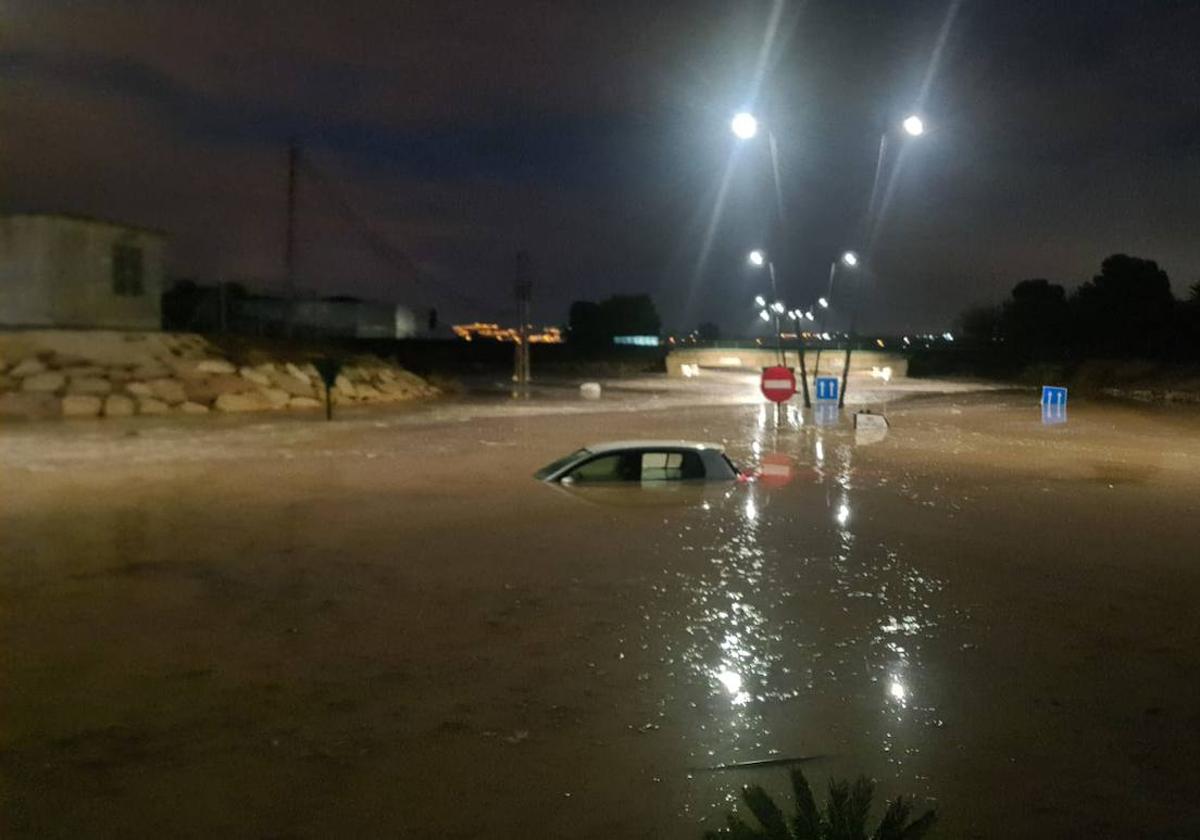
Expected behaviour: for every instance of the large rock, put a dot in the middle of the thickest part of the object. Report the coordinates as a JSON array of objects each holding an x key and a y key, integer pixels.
[
  {"x": 81, "y": 405},
  {"x": 294, "y": 385},
  {"x": 250, "y": 401},
  {"x": 139, "y": 389},
  {"x": 89, "y": 385},
  {"x": 150, "y": 370},
  {"x": 83, "y": 372},
  {"x": 304, "y": 402},
  {"x": 149, "y": 405},
  {"x": 296, "y": 372},
  {"x": 44, "y": 383},
  {"x": 116, "y": 405},
  {"x": 208, "y": 389},
  {"x": 277, "y": 397},
  {"x": 27, "y": 367},
  {"x": 397, "y": 390},
  {"x": 209, "y": 366},
  {"x": 170, "y": 391},
  {"x": 193, "y": 408},
  {"x": 255, "y": 376},
  {"x": 29, "y": 406}
]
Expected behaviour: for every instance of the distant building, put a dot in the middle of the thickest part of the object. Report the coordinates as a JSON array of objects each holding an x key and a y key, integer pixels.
[
  {"x": 229, "y": 308},
  {"x": 495, "y": 332},
  {"x": 70, "y": 271}
]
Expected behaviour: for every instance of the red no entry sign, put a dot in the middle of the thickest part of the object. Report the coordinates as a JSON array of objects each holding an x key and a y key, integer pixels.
[{"x": 778, "y": 383}]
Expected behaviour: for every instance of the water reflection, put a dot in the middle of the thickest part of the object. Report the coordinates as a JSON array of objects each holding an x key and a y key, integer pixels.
[{"x": 794, "y": 625}]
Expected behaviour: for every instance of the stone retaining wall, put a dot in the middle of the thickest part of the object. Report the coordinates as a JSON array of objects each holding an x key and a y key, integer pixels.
[{"x": 58, "y": 373}]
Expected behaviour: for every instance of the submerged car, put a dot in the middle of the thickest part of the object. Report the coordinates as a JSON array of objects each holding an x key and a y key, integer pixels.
[{"x": 642, "y": 460}]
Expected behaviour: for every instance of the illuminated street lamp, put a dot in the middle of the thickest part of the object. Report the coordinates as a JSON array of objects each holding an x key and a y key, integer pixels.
[
  {"x": 744, "y": 125},
  {"x": 765, "y": 315},
  {"x": 849, "y": 259},
  {"x": 759, "y": 300},
  {"x": 913, "y": 125}
]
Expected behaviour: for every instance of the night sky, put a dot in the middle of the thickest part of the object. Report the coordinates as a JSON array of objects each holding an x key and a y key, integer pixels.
[{"x": 595, "y": 135}]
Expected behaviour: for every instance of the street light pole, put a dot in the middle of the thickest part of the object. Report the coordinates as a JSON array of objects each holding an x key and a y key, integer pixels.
[{"x": 913, "y": 126}]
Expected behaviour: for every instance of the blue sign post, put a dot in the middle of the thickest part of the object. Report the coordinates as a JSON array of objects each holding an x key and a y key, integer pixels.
[
  {"x": 1053, "y": 395},
  {"x": 1054, "y": 405},
  {"x": 827, "y": 388}
]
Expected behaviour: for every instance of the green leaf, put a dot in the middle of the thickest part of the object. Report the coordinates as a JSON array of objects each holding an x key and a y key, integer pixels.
[
  {"x": 767, "y": 813},
  {"x": 807, "y": 824}
]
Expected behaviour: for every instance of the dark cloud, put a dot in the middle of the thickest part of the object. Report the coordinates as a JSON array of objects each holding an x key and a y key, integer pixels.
[{"x": 595, "y": 135}]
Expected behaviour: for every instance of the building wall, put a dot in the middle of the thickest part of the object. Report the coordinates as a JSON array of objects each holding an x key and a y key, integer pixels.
[{"x": 59, "y": 271}]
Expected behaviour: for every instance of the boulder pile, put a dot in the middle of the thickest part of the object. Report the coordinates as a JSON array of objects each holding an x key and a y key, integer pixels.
[{"x": 48, "y": 374}]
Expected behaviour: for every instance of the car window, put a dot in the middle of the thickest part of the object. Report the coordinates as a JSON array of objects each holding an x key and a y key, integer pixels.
[
  {"x": 621, "y": 466},
  {"x": 553, "y": 467},
  {"x": 671, "y": 466}
]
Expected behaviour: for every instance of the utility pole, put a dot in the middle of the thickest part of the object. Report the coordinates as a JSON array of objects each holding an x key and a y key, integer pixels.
[
  {"x": 524, "y": 294},
  {"x": 289, "y": 253}
]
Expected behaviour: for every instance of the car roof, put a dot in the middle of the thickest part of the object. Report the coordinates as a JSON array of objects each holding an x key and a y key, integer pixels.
[{"x": 618, "y": 445}]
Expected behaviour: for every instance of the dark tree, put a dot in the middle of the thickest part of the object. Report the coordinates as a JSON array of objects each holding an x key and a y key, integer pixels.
[
  {"x": 629, "y": 315},
  {"x": 1035, "y": 321},
  {"x": 980, "y": 324},
  {"x": 584, "y": 327},
  {"x": 595, "y": 324},
  {"x": 1127, "y": 309},
  {"x": 708, "y": 331}
]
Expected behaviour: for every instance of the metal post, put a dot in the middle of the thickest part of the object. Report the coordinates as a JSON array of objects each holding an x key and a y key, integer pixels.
[
  {"x": 773, "y": 301},
  {"x": 524, "y": 294},
  {"x": 779, "y": 339},
  {"x": 289, "y": 254},
  {"x": 825, "y": 317}
]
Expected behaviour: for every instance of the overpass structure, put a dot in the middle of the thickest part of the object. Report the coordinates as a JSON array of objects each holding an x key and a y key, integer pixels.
[{"x": 691, "y": 361}]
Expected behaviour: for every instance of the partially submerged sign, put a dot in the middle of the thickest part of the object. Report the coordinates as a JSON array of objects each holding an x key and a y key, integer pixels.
[
  {"x": 826, "y": 413},
  {"x": 778, "y": 383},
  {"x": 1054, "y": 395},
  {"x": 827, "y": 388},
  {"x": 869, "y": 428}
]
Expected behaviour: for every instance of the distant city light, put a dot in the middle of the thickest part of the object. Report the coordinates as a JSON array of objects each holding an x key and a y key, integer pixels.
[
  {"x": 636, "y": 340},
  {"x": 947, "y": 336},
  {"x": 744, "y": 125},
  {"x": 757, "y": 257},
  {"x": 914, "y": 125},
  {"x": 823, "y": 303}
]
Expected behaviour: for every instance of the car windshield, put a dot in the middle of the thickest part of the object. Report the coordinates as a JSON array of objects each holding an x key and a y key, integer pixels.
[{"x": 554, "y": 466}]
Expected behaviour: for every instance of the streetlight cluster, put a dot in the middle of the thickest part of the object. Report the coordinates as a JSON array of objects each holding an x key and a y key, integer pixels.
[{"x": 745, "y": 126}]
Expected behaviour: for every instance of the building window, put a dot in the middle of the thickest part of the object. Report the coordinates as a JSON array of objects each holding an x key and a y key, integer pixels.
[{"x": 127, "y": 270}]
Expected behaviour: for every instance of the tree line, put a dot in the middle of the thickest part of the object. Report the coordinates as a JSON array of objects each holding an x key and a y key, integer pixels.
[{"x": 1125, "y": 311}]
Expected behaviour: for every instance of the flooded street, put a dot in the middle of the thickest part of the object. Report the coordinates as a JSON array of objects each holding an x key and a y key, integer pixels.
[{"x": 384, "y": 627}]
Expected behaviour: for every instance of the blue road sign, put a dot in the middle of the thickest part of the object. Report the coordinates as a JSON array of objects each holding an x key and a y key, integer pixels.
[
  {"x": 1052, "y": 415},
  {"x": 827, "y": 388},
  {"x": 825, "y": 414},
  {"x": 1052, "y": 395}
]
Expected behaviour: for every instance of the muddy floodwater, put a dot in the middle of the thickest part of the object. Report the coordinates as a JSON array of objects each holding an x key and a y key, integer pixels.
[{"x": 384, "y": 627}]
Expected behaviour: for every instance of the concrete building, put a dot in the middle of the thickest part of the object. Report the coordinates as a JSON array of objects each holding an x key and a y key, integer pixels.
[{"x": 69, "y": 271}]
